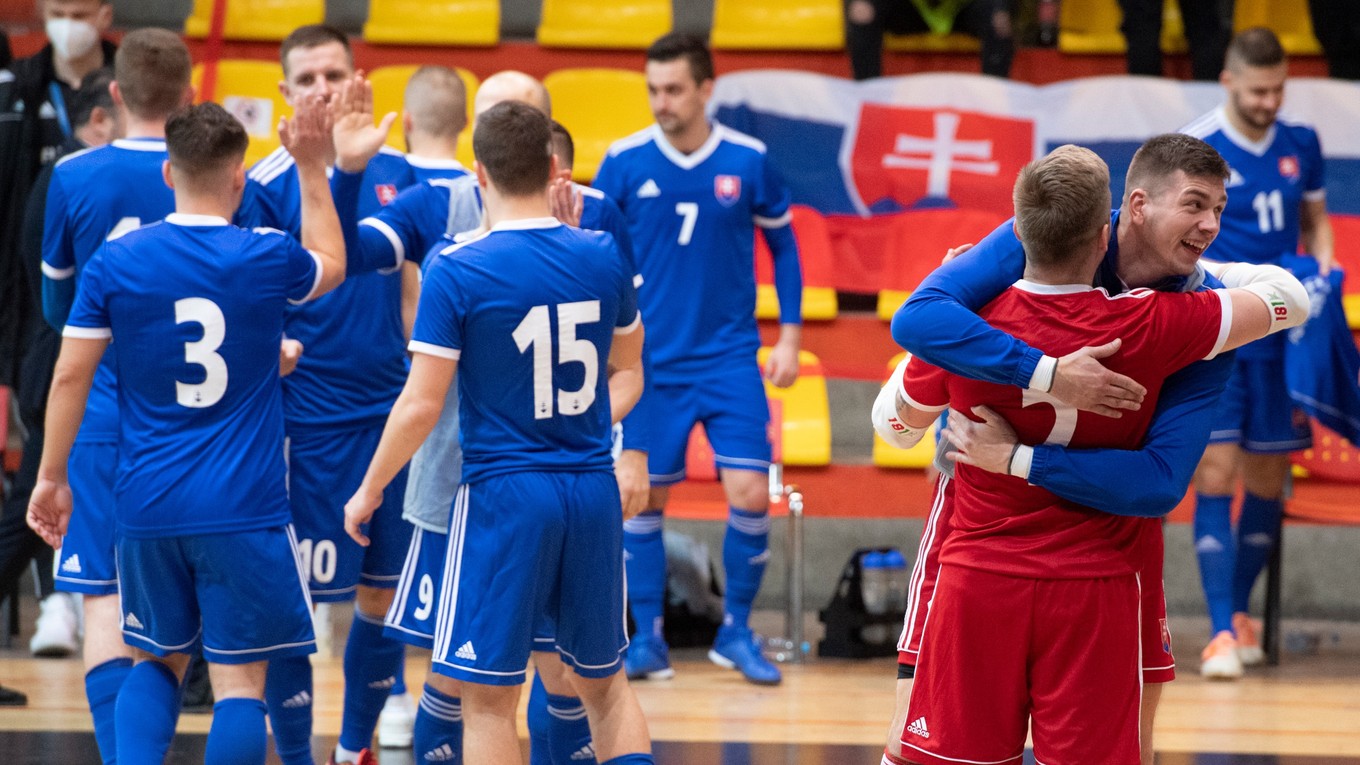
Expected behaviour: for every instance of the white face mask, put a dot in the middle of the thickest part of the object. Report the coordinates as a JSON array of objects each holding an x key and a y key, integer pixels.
[{"x": 71, "y": 38}]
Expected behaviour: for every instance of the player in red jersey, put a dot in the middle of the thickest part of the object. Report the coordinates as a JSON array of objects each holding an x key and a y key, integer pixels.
[{"x": 1060, "y": 577}]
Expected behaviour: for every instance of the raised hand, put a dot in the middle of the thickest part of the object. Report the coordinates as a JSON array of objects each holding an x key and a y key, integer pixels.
[
  {"x": 357, "y": 139},
  {"x": 307, "y": 135}
]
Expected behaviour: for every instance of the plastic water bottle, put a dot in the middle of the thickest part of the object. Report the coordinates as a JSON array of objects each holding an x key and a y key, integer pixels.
[
  {"x": 874, "y": 583},
  {"x": 895, "y": 572}
]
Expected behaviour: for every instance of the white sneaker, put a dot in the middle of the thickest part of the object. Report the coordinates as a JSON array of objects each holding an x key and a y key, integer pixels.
[
  {"x": 58, "y": 628},
  {"x": 396, "y": 722}
]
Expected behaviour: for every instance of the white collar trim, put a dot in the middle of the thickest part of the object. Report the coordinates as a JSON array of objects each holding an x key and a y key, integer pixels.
[
  {"x": 433, "y": 163},
  {"x": 1258, "y": 148},
  {"x": 526, "y": 224},
  {"x": 140, "y": 144},
  {"x": 186, "y": 219},
  {"x": 1052, "y": 289},
  {"x": 692, "y": 160}
]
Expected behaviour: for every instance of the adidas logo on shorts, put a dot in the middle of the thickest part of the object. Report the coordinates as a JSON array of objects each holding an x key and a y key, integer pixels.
[
  {"x": 300, "y": 699},
  {"x": 467, "y": 652},
  {"x": 384, "y": 684},
  {"x": 132, "y": 622},
  {"x": 584, "y": 753},
  {"x": 443, "y": 753},
  {"x": 71, "y": 565},
  {"x": 919, "y": 728}
]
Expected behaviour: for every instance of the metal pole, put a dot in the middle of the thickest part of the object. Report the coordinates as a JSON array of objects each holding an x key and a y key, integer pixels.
[{"x": 794, "y": 616}]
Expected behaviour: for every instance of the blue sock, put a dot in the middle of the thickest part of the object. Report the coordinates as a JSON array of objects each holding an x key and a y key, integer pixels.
[
  {"x": 237, "y": 736},
  {"x": 631, "y": 759},
  {"x": 288, "y": 694},
  {"x": 645, "y": 566},
  {"x": 101, "y": 688},
  {"x": 540, "y": 747},
  {"x": 371, "y": 661},
  {"x": 148, "y": 705},
  {"x": 569, "y": 731},
  {"x": 1256, "y": 531},
  {"x": 399, "y": 687},
  {"x": 438, "y": 735},
  {"x": 746, "y": 550},
  {"x": 1215, "y": 548}
]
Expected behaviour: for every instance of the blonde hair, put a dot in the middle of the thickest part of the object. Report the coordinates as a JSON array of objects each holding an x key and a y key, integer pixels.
[{"x": 1062, "y": 201}]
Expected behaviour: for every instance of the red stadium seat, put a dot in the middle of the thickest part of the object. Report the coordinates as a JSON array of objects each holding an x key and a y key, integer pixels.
[
  {"x": 818, "y": 260},
  {"x": 919, "y": 241}
]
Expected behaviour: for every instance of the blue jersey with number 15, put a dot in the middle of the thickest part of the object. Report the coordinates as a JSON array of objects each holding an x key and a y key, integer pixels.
[
  {"x": 529, "y": 311},
  {"x": 195, "y": 308}
]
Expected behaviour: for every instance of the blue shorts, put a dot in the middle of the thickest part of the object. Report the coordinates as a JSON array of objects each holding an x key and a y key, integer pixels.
[
  {"x": 324, "y": 470},
  {"x": 735, "y": 415},
  {"x": 85, "y": 562},
  {"x": 527, "y": 550},
  {"x": 1256, "y": 412},
  {"x": 411, "y": 618},
  {"x": 242, "y": 594}
]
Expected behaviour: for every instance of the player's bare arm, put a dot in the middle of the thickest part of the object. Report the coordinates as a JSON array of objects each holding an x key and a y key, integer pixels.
[
  {"x": 410, "y": 297},
  {"x": 49, "y": 507},
  {"x": 357, "y": 139},
  {"x": 781, "y": 368},
  {"x": 625, "y": 388},
  {"x": 1315, "y": 228},
  {"x": 307, "y": 138},
  {"x": 412, "y": 418}
]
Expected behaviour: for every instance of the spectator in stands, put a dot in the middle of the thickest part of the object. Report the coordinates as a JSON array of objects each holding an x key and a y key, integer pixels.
[
  {"x": 988, "y": 20},
  {"x": 1208, "y": 26},
  {"x": 94, "y": 123},
  {"x": 1337, "y": 26}
]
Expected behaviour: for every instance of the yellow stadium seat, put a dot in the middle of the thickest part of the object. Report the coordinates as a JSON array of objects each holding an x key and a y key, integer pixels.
[
  {"x": 389, "y": 87},
  {"x": 919, "y": 456},
  {"x": 603, "y": 23},
  {"x": 1288, "y": 19},
  {"x": 955, "y": 42},
  {"x": 778, "y": 24},
  {"x": 256, "y": 19},
  {"x": 1092, "y": 26},
  {"x": 249, "y": 89},
  {"x": 598, "y": 107},
  {"x": 806, "y": 412},
  {"x": 434, "y": 22}
]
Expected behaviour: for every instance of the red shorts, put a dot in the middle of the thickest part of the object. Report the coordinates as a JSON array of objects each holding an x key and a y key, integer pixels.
[
  {"x": 1159, "y": 666},
  {"x": 1067, "y": 670}
]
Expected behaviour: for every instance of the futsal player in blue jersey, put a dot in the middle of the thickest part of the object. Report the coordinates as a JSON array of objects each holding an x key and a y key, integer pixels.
[
  {"x": 334, "y": 404},
  {"x": 205, "y": 554},
  {"x": 434, "y": 113},
  {"x": 694, "y": 192},
  {"x": 1276, "y": 204},
  {"x": 94, "y": 196},
  {"x": 542, "y": 319}
]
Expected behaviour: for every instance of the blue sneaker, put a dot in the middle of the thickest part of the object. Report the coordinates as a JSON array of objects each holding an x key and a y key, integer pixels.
[
  {"x": 738, "y": 648},
  {"x": 648, "y": 658}
]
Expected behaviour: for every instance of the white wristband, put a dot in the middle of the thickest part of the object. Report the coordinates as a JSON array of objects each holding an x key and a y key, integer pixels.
[
  {"x": 1045, "y": 372},
  {"x": 1021, "y": 461}
]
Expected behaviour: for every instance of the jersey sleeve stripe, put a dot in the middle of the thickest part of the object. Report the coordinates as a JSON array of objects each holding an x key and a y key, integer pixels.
[
  {"x": 57, "y": 274},
  {"x": 637, "y": 321},
  {"x": 1316, "y": 195},
  {"x": 87, "y": 333},
  {"x": 316, "y": 280},
  {"x": 430, "y": 349},
  {"x": 637, "y": 280},
  {"x": 1225, "y": 322},
  {"x": 779, "y": 222},
  {"x": 392, "y": 238}
]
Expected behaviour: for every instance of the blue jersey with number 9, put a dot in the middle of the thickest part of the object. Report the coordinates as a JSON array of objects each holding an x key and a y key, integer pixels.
[
  {"x": 195, "y": 309},
  {"x": 529, "y": 311}
]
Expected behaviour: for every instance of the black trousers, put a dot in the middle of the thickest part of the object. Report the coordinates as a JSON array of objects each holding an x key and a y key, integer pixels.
[
  {"x": 1208, "y": 28},
  {"x": 865, "y": 41}
]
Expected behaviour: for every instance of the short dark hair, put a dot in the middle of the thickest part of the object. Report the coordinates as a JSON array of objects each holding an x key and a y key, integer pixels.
[
  {"x": 312, "y": 36},
  {"x": 1062, "y": 201},
  {"x": 93, "y": 93},
  {"x": 692, "y": 48},
  {"x": 1255, "y": 47},
  {"x": 203, "y": 140},
  {"x": 152, "y": 68},
  {"x": 1161, "y": 156},
  {"x": 513, "y": 142},
  {"x": 563, "y": 147}
]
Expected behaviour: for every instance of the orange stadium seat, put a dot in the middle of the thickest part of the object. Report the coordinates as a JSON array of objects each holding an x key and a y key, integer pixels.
[
  {"x": 917, "y": 457},
  {"x": 249, "y": 89},
  {"x": 778, "y": 24},
  {"x": 598, "y": 107},
  {"x": 434, "y": 22},
  {"x": 389, "y": 88},
  {"x": 818, "y": 261},
  {"x": 603, "y": 23},
  {"x": 1092, "y": 26},
  {"x": 1288, "y": 19},
  {"x": 255, "y": 19},
  {"x": 920, "y": 239},
  {"x": 806, "y": 429}
]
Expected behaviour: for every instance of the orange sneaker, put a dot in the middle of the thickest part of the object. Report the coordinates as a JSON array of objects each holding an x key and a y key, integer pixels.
[
  {"x": 1248, "y": 644},
  {"x": 1219, "y": 659}
]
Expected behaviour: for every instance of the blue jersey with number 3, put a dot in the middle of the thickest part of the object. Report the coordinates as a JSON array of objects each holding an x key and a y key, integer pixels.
[
  {"x": 195, "y": 308},
  {"x": 96, "y": 195},
  {"x": 529, "y": 311}
]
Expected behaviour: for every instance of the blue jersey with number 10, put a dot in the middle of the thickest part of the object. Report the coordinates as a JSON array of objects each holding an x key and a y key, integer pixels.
[
  {"x": 195, "y": 308},
  {"x": 529, "y": 311}
]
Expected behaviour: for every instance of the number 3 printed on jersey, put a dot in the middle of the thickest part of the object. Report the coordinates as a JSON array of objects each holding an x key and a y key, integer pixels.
[
  {"x": 203, "y": 352},
  {"x": 535, "y": 332}
]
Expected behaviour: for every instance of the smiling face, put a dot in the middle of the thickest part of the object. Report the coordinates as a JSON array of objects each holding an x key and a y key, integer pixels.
[
  {"x": 1181, "y": 219},
  {"x": 313, "y": 71}
]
